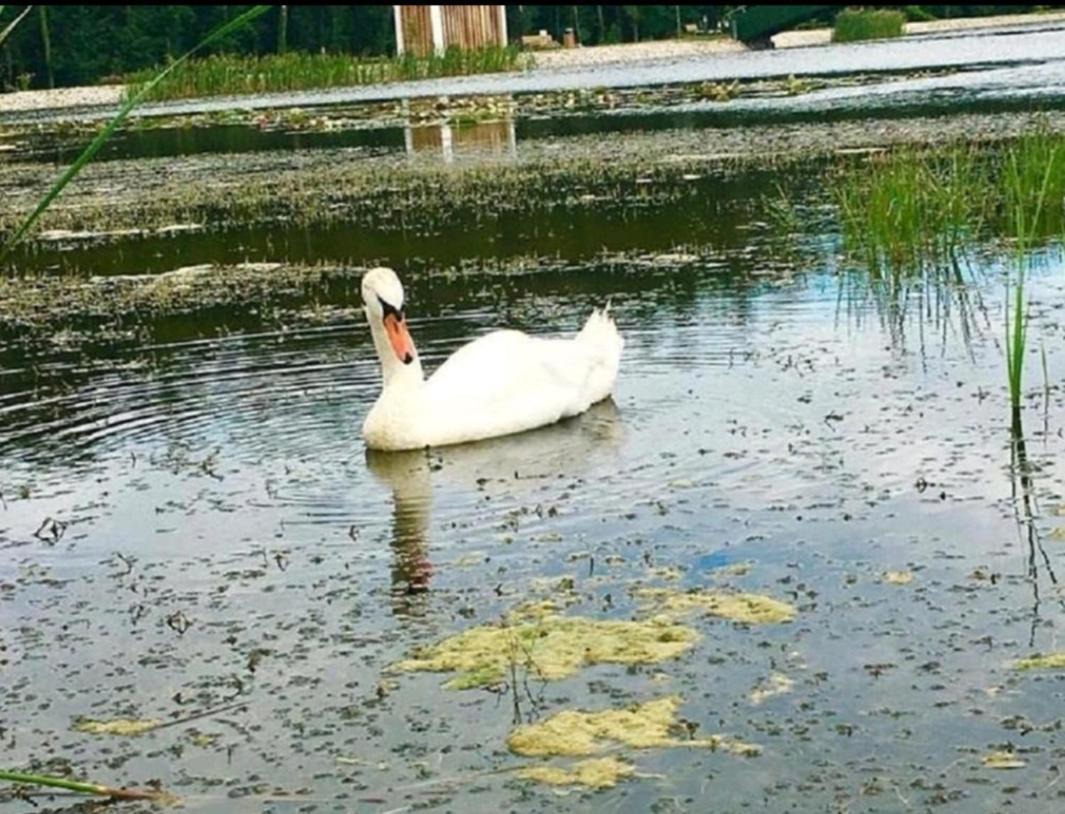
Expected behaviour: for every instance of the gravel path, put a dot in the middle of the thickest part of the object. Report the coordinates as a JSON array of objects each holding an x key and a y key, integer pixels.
[
  {"x": 61, "y": 97},
  {"x": 636, "y": 51}
]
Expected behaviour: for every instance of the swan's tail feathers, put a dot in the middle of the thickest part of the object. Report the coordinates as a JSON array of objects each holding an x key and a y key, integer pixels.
[{"x": 601, "y": 336}]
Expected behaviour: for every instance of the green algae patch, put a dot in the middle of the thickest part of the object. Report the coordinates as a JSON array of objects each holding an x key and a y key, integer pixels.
[
  {"x": 753, "y": 609},
  {"x": 643, "y": 726},
  {"x": 898, "y": 577},
  {"x": 595, "y": 773},
  {"x": 121, "y": 726},
  {"x": 1050, "y": 661},
  {"x": 1003, "y": 760},
  {"x": 536, "y": 639}
]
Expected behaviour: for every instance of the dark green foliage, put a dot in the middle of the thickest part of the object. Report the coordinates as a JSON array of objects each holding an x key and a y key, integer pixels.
[{"x": 854, "y": 25}]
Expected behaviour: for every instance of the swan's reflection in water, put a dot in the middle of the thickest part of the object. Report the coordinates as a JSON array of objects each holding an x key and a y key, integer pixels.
[{"x": 567, "y": 448}]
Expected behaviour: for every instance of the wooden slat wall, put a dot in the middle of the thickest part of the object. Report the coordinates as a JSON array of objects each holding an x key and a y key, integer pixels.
[
  {"x": 464, "y": 26},
  {"x": 417, "y": 30},
  {"x": 471, "y": 26}
]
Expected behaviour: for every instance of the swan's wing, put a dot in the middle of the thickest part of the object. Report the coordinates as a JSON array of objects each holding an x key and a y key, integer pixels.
[{"x": 508, "y": 381}]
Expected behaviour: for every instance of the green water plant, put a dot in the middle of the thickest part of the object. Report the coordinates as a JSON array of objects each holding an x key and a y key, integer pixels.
[
  {"x": 101, "y": 138},
  {"x": 1027, "y": 195}
]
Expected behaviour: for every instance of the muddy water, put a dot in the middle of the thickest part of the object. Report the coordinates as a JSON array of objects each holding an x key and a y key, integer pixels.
[{"x": 191, "y": 523}]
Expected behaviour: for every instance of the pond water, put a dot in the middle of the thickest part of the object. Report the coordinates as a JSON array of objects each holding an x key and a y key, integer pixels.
[{"x": 192, "y": 522}]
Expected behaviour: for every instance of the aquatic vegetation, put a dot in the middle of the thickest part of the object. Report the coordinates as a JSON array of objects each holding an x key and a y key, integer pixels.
[
  {"x": 917, "y": 207},
  {"x": 898, "y": 577},
  {"x": 1035, "y": 176},
  {"x": 912, "y": 207},
  {"x": 1003, "y": 760},
  {"x": 127, "y": 727},
  {"x": 596, "y": 773},
  {"x": 642, "y": 726},
  {"x": 51, "y": 306},
  {"x": 548, "y": 646},
  {"x": 776, "y": 684},
  {"x": 231, "y": 74},
  {"x": 754, "y": 609},
  {"x": 855, "y": 25},
  {"x": 1049, "y": 661}
]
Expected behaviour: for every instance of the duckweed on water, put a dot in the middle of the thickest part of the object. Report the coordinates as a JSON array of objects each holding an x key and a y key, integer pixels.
[
  {"x": 898, "y": 577},
  {"x": 596, "y": 773},
  {"x": 126, "y": 727},
  {"x": 643, "y": 726},
  {"x": 776, "y": 684},
  {"x": 1050, "y": 661},
  {"x": 551, "y": 646},
  {"x": 1003, "y": 760},
  {"x": 753, "y": 609}
]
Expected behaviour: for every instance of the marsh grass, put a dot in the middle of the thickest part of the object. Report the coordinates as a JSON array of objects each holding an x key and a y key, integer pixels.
[
  {"x": 904, "y": 210},
  {"x": 855, "y": 25},
  {"x": 911, "y": 207},
  {"x": 913, "y": 213},
  {"x": 1035, "y": 176},
  {"x": 230, "y": 74}
]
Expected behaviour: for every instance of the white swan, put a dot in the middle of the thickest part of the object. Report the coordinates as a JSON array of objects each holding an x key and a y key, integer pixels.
[{"x": 502, "y": 383}]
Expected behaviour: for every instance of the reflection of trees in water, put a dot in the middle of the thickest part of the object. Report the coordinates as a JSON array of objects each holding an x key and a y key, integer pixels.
[
  {"x": 521, "y": 461},
  {"x": 1026, "y": 510}
]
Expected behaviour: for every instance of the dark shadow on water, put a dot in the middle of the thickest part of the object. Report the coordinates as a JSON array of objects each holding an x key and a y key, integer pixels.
[{"x": 508, "y": 465}]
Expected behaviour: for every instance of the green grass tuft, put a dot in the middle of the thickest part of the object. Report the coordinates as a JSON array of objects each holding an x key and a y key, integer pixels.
[
  {"x": 233, "y": 74},
  {"x": 855, "y": 25}
]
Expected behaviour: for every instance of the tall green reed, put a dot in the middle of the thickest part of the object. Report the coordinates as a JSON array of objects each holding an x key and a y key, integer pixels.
[{"x": 1026, "y": 198}]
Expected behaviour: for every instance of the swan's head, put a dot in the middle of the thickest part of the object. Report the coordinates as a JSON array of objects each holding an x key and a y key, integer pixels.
[{"x": 382, "y": 296}]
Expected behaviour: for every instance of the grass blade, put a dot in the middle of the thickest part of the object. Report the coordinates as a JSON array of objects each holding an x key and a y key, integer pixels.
[
  {"x": 11, "y": 26},
  {"x": 82, "y": 787},
  {"x": 107, "y": 132}
]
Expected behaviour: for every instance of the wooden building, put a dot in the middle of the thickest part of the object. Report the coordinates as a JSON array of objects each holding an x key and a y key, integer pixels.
[{"x": 425, "y": 30}]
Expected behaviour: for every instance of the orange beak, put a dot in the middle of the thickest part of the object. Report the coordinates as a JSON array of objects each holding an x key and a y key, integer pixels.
[{"x": 399, "y": 338}]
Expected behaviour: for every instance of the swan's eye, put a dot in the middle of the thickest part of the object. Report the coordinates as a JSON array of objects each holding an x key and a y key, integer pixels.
[{"x": 390, "y": 310}]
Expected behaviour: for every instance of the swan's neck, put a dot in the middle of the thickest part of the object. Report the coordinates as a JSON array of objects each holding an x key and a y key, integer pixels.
[{"x": 394, "y": 374}]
